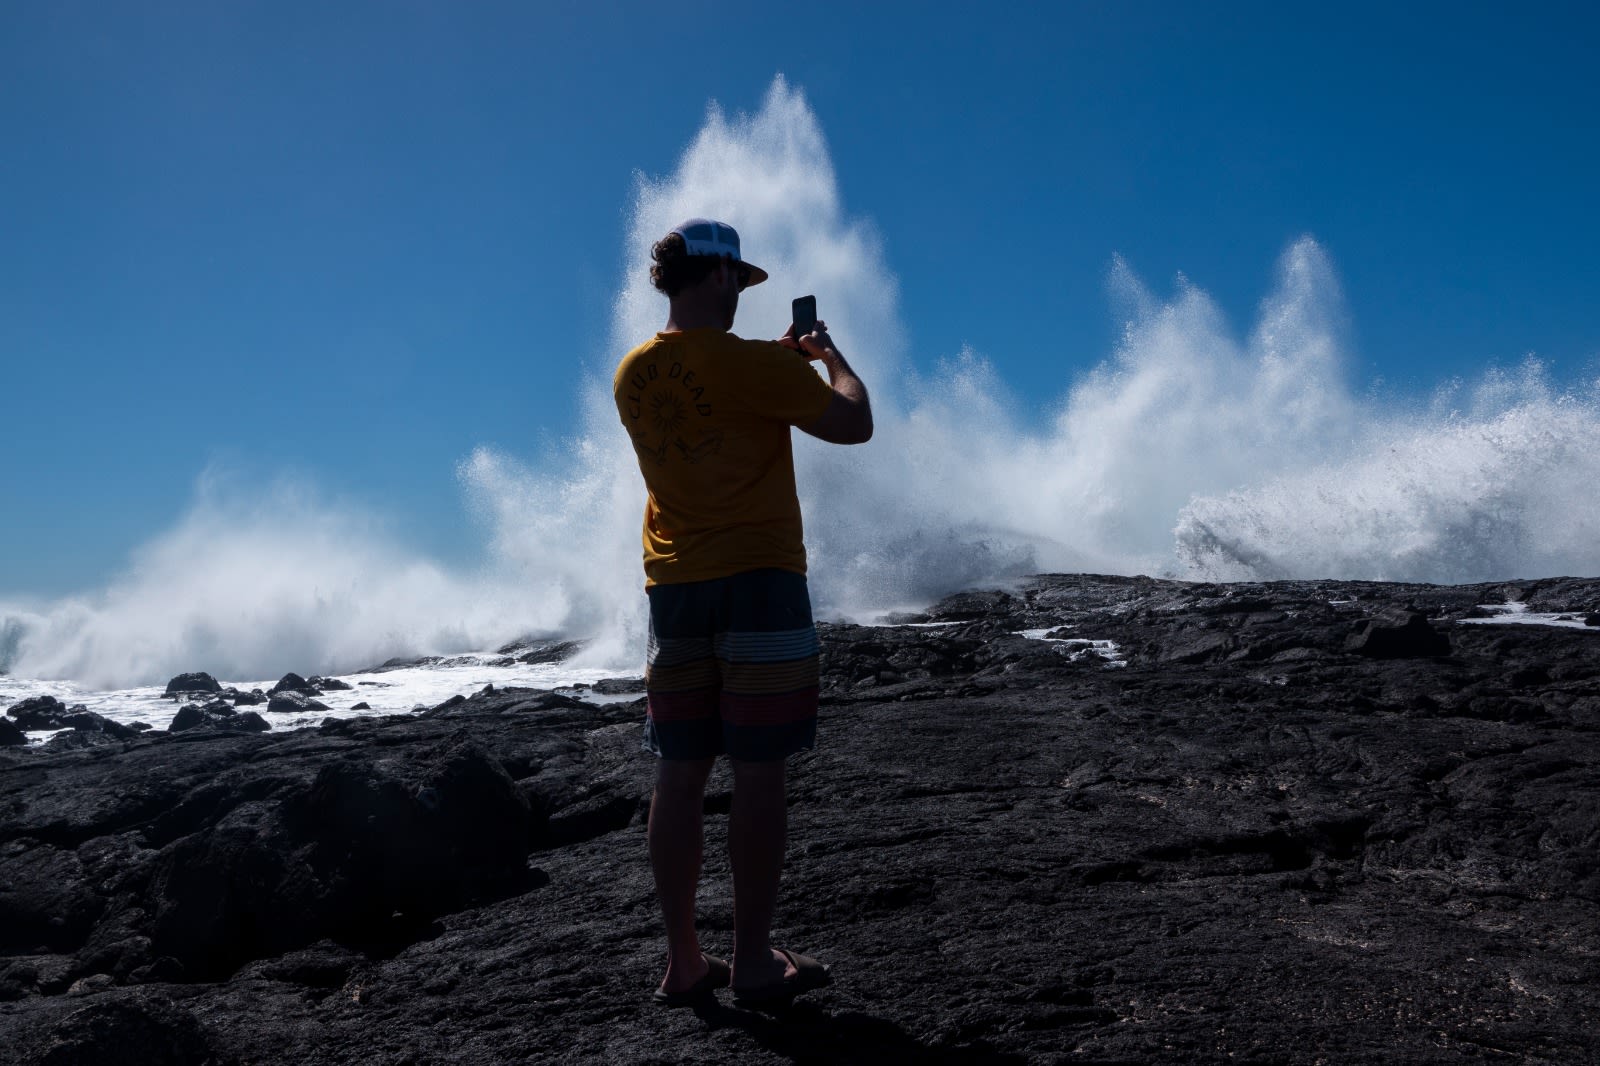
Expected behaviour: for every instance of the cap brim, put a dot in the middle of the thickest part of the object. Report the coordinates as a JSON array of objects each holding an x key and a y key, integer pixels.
[{"x": 757, "y": 275}]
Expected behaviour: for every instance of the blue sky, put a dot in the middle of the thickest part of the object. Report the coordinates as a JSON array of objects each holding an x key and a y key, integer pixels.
[{"x": 347, "y": 243}]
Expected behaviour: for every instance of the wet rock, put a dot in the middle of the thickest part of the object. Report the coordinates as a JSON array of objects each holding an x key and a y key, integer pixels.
[
  {"x": 292, "y": 683},
  {"x": 10, "y": 735},
  {"x": 292, "y": 701},
  {"x": 542, "y": 651},
  {"x": 254, "y": 698},
  {"x": 250, "y": 722},
  {"x": 403, "y": 662},
  {"x": 328, "y": 684},
  {"x": 362, "y": 706},
  {"x": 619, "y": 686},
  {"x": 77, "y": 740},
  {"x": 217, "y": 714},
  {"x": 93, "y": 722},
  {"x": 47, "y": 712},
  {"x": 37, "y": 712},
  {"x": 972, "y": 606},
  {"x": 190, "y": 683}
]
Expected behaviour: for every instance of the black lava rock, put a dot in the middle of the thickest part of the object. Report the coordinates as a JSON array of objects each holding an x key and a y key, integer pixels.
[
  {"x": 367, "y": 852},
  {"x": 1397, "y": 634},
  {"x": 77, "y": 740},
  {"x": 292, "y": 682},
  {"x": 1013, "y": 851},
  {"x": 291, "y": 701},
  {"x": 619, "y": 686},
  {"x": 542, "y": 651},
  {"x": 195, "y": 682},
  {"x": 144, "y": 1030},
  {"x": 37, "y": 712},
  {"x": 216, "y": 715},
  {"x": 91, "y": 721}
]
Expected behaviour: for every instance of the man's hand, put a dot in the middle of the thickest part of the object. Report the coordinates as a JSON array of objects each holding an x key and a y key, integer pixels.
[
  {"x": 814, "y": 345},
  {"x": 848, "y": 416}
]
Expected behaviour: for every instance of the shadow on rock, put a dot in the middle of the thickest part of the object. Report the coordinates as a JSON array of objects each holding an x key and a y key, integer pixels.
[
  {"x": 805, "y": 1033},
  {"x": 369, "y": 854},
  {"x": 132, "y": 1031}
]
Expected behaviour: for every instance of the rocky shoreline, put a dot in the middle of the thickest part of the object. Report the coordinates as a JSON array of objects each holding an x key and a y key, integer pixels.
[{"x": 1085, "y": 819}]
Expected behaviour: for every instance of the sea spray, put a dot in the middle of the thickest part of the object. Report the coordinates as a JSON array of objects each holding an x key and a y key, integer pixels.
[
  {"x": 253, "y": 585},
  {"x": 1497, "y": 493},
  {"x": 1188, "y": 452}
]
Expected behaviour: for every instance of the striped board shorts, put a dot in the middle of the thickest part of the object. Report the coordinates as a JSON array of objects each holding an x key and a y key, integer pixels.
[{"x": 732, "y": 668}]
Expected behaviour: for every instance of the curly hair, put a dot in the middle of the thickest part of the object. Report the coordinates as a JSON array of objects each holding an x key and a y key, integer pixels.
[{"x": 675, "y": 269}]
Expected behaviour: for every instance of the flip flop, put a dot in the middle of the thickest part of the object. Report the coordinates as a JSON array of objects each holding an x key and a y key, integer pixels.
[
  {"x": 716, "y": 977},
  {"x": 808, "y": 974}
]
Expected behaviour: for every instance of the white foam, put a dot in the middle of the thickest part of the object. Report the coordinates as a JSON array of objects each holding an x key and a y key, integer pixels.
[
  {"x": 1078, "y": 647},
  {"x": 1518, "y": 614},
  {"x": 394, "y": 691}
]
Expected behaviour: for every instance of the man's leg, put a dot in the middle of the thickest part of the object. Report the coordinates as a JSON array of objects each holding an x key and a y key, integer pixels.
[
  {"x": 676, "y": 844},
  {"x": 757, "y": 826}
]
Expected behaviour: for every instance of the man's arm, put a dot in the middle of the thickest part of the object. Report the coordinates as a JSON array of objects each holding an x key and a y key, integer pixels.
[{"x": 848, "y": 417}]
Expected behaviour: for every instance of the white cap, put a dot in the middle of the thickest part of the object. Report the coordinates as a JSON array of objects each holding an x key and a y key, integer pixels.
[{"x": 703, "y": 236}]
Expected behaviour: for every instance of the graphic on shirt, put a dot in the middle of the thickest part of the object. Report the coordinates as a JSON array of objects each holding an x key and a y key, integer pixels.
[{"x": 668, "y": 400}]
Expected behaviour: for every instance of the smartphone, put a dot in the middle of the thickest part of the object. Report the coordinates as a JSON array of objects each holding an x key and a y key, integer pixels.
[{"x": 805, "y": 315}]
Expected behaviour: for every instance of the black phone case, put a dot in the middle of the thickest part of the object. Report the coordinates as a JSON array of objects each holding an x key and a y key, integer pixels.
[{"x": 805, "y": 315}]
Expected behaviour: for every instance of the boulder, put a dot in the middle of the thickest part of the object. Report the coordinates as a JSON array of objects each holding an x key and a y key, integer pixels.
[
  {"x": 93, "y": 722},
  {"x": 38, "y": 712},
  {"x": 619, "y": 686},
  {"x": 216, "y": 715},
  {"x": 292, "y": 702},
  {"x": 328, "y": 684},
  {"x": 10, "y": 734},
  {"x": 249, "y": 722},
  {"x": 252, "y": 698},
  {"x": 292, "y": 682},
  {"x": 366, "y": 852},
  {"x": 195, "y": 682},
  {"x": 77, "y": 740},
  {"x": 193, "y": 716},
  {"x": 543, "y": 651},
  {"x": 1397, "y": 633}
]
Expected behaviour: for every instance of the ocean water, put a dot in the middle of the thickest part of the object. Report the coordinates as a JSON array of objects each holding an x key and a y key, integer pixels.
[
  {"x": 1194, "y": 449},
  {"x": 396, "y": 690}
]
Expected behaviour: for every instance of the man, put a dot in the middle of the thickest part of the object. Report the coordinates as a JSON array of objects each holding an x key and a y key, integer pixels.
[{"x": 732, "y": 664}]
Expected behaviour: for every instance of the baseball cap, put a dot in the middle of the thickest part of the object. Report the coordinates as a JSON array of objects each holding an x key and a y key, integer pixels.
[{"x": 703, "y": 236}]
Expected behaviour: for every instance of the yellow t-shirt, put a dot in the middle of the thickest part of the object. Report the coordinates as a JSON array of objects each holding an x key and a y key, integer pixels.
[{"x": 709, "y": 414}]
